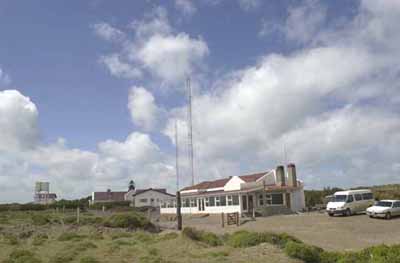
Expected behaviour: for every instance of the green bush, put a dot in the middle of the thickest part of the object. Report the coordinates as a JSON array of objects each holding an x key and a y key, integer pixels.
[
  {"x": 202, "y": 236},
  {"x": 39, "y": 220},
  {"x": 68, "y": 236},
  {"x": 330, "y": 257},
  {"x": 88, "y": 259},
  {"x": 307, "y": 253},
  {"x": 131, "y": 220},
  {"x": 22, "y": 256},
  {"x": 245, "y": 238},
  {"x": 39, "y": 239}
]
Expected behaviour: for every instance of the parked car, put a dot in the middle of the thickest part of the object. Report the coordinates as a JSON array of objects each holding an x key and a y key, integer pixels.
[
  {"x": 385, "y": 209},
  {"x": 350, "y": 202}
]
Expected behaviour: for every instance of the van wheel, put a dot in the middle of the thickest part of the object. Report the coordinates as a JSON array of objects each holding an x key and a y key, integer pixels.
[
  {"x": 330, "y": 214},
  {"x": 388, "y": 216},
  {"x": 348, "y": 212}
]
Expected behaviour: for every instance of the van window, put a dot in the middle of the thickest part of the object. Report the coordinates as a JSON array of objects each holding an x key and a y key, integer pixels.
[
  {"x": 367, "y": 196},
  {"x": 358, "y": 197},
  {"x": 339, "y": 198},
  {"x": 350, "y": 199}
]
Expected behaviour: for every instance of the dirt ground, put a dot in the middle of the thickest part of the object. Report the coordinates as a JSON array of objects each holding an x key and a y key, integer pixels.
[{"x": 331, "y": 233}]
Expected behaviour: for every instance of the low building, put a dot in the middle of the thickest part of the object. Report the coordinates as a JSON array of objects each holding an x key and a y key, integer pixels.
[
  {"x": 42, "y": 194},
  {"x": 138, "y": 197},
  {"x": 265, "y": 193}
]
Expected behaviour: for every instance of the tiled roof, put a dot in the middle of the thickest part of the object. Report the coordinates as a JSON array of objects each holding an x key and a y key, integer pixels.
[
  {"x": 222, "y": 182},
  {"x": 160, "y": 190},
  {"x": 109, "y": 196}
]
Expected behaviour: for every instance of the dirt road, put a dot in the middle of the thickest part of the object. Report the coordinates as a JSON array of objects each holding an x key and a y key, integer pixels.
[{"x": 331, "y": 233}]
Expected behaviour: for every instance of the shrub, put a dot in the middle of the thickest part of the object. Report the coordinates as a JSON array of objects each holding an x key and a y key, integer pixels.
[
  {"x": 40, "y": 220},
  {"x": 68, "y": 236},
  {"x": 307, "y": 253},
  {"x": 39, "y": 239},
  {"x": 88, "y": 259},
  {"x": 131, "y": 220},
  {"x": 22, "y": 256},
  {"x": 202, "y": 236},
  {"x": 244, "y": 238},
  {"x": 90, "y": 220},
  {"x": 330, "y": 257},
  {"x": 10, "y": 239}
]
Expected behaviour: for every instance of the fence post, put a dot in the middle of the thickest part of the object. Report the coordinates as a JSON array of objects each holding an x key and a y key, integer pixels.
[
  {"x": 254, "y": 214},
  {"x": 222, "y": 220},
  {"x": 103, "y": 208},
  {"x": 178, "y": 210},
  {"x": 237, "y": 219},
  {"x": 77, "y": 214}
]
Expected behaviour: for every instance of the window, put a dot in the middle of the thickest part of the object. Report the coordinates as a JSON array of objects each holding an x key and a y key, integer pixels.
[
  {"x": 277, "y": 199},
  {"x": 358, "y": 197},
  {"x": 217, "y": 201},
  {"x": 235, "y": 199},
  {"x": 163, "y": 205},
  {"x": 193, "y": 202},
  {"x": 261, "y": 200},
  {"x": 223, "y": 200},
  {"x": 367, "y": 196},
  {"x": 397, "y": 204},
  {"x": 268, "y": 199},
  {"x": 212, "y": 201},
  {"x": 229, "y": 197},
  {"x": 207, "y": 201},
  {"x": 186, "y": 202},
  {"x": 144, "y": 200},
  {"x": 350, "y": 199}
]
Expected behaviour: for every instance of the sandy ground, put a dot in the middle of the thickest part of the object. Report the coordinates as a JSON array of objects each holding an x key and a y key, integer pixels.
[{"x": 331, "y": 233}]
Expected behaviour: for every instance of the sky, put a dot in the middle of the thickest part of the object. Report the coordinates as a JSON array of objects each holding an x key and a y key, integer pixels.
[{"x": 90, "y": 92}]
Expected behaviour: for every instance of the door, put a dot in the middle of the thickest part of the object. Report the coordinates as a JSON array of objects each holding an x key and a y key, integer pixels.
[
  {"x": 251, "y": 204},
  {"x": 287, "y": 199},
  {"x": 200, "y": 204},
  {"x": 244, "y": 202}
]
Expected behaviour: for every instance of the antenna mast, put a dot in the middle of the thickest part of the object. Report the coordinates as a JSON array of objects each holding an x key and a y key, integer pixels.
[
  {"x": 190, "y": 128},
  {"x": 177, "y": 156}
]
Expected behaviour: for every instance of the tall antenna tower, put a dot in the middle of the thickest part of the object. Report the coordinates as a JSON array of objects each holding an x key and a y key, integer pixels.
[
  {"x": 176, "y": 155},
  {"x": 190, "y": 128}
]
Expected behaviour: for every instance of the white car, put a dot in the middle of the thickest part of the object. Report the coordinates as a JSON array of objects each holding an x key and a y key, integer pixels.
[{"x": 385, "y": 208}]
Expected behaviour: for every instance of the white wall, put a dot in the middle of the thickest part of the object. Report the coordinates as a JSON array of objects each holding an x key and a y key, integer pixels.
[
  {"x": 207, "y": 210},
  {"x": 233, "y": 184},
  {"x": 149, "y": 195},
  {"x": 297, "y": 200}
]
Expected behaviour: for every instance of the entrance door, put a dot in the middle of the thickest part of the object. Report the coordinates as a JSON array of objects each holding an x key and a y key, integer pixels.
[
  {"x": 287, "y": 198},
  {"x": 201, "y": 204},
  {"x": 251, "y": 205},
  {"x": 244, "y": 202}
]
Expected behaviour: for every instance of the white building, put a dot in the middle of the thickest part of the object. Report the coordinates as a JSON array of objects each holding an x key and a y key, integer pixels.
[
  {"x": 265, "y": 193},
  {"x": 42, "y": 194}
]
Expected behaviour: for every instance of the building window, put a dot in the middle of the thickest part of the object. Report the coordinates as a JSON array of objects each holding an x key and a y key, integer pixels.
[
  {"x": 277, "y": 199},
  {"x": 212, "y": 201},
  {"x": 217, "y": 201},
  {"x": 223, "y": 200},
  {"x": 193, "y": 202},
  {"x": 229, "y": 197},
  {"x": 144, "y": 200},
  {"x": 268, "y": 199},
  {"x": 207, "y": 201},
  {"x": 261, "y": 200},
  {"x": 235, "y": 199}
]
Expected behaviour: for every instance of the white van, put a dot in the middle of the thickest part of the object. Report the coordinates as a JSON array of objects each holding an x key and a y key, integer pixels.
[{"x": 350, "y": 202}]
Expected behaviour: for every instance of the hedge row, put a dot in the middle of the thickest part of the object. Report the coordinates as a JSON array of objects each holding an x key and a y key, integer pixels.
[{"x": 295, "y": 248}]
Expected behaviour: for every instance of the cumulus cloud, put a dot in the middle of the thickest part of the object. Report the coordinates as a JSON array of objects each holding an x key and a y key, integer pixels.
[
  {"x": 313, "y": 100},
  {"x": 108, "y": 32},
  {"x": 158, "y": 50},
  {"x": 187, "y": 7},
  {"x": 4, "y": 78},
  {"x": 143, "y": 109},
  {"x": 249, "y": 4},
  {"x": 302, "y": 23}
]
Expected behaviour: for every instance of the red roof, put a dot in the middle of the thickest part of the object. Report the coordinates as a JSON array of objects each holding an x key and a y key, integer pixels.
[
  {"x": 109, "y": 196},
  {"x": 222, "y": 182}
]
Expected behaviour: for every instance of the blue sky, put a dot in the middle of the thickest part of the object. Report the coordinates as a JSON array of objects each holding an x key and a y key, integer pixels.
[{"x": 106, "y": 82}]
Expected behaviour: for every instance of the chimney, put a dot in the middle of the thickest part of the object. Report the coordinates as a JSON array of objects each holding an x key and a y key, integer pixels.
[
  {"x": 280, "y": 175},
  {"x": 292, "y": 178}
]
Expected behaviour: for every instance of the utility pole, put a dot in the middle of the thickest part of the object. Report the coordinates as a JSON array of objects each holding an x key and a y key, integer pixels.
[
  {"x": 176, "y": 155},
  {"x": 190, "y": 129}
]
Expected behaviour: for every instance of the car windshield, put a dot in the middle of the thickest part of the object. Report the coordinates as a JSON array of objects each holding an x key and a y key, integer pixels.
[
  {"x": 384, "y": 204},
  {"x": 339, "y": 198}
]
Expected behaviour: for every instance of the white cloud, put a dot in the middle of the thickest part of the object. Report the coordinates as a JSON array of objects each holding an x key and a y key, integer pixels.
[
  {"x": 187, "y": 7},
  {"x": 249, "y": 4},
  {"x": 4, "y": 78},
  {"x": 18, "y": 121},
  {"x": 158, "y": 50},
  {"x": 314, "y": 100},
  {"x": 143, "y": 109},
  {"x": 108, "y": 32},
  {"x": 119, "y": 68},
  {"x": 302, "y": 24}
]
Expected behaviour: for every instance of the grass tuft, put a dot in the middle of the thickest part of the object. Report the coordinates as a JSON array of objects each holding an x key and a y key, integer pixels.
[{"x": 22, "y": 256}]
